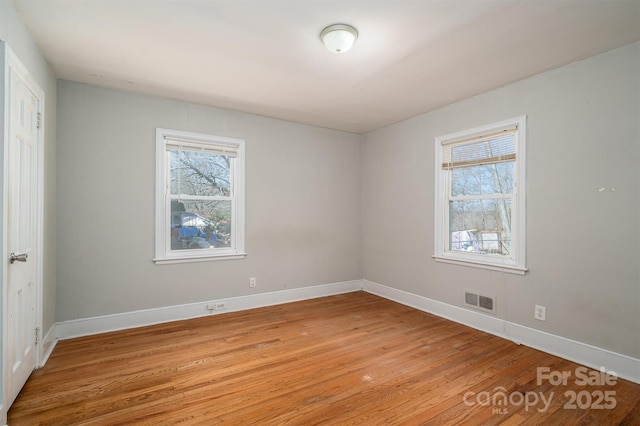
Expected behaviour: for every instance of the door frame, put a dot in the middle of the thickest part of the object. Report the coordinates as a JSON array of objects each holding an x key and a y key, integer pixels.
[{"x": 9, "y": 61}]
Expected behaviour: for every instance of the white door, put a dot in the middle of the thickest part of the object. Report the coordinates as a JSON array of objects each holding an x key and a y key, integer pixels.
[{"x": 21, "y": 265}]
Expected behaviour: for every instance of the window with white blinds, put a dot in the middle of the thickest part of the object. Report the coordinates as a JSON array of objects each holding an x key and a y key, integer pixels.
[
  {"x": 480, "y": 200},
  {"x": 199, "y": 197}
]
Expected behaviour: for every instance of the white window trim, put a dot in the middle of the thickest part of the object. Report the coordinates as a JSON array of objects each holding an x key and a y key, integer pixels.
[
  {"x": 518, "y": 209},
  {"x": 163, "y": 252}
]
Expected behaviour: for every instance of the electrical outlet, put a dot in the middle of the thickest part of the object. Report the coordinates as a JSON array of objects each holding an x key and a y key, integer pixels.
[
  {"x": 540, "y": 313},
  {"x": 252, "y": 282},
  {"x": 216, "y": 306}
]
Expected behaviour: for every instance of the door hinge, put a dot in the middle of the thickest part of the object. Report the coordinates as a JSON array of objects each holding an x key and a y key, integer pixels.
[
  {"x": 37, "y": 335},
  {"x": 39, "y": 120}
]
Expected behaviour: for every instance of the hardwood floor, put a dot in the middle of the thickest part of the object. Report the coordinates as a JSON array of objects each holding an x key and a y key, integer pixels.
[{"x": 340, "y": 360}]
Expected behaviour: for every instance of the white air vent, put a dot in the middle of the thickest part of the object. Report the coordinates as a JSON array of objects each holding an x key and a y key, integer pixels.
[{"x": 481, "y": 302}]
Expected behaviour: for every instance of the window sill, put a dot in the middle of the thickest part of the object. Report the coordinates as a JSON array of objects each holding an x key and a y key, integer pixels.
[
  {"x": 510, "y": 269},
  {"x": 189, "y": 259}
]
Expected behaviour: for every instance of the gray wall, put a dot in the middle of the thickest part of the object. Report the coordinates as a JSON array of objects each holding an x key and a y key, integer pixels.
[
  {"x": 302, "y": 204},
  {"x": 582, "y": 245},
  {"x": 15, "y": 34}
]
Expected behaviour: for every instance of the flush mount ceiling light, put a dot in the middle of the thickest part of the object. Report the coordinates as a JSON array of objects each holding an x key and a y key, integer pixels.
[{"x": 338, "y": 38}]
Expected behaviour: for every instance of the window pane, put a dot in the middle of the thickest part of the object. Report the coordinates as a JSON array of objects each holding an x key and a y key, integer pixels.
[
  {"x": 483, "y": 180},
  {"x": 199, "y": 173},
  {"x": 200, "y": 224},
  {"x": 481, "y": 226}
]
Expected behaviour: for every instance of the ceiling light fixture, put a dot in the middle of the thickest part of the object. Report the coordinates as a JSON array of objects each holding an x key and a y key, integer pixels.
[{"x": 338, "y": 38}]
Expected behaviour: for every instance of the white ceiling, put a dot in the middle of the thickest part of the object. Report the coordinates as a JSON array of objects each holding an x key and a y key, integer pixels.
[{"x": 265, "y": 56}]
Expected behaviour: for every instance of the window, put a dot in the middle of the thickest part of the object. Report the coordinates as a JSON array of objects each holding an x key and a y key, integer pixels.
[
  {"x": 480, "y": 199},
  {"x": 199, "y": 197}
]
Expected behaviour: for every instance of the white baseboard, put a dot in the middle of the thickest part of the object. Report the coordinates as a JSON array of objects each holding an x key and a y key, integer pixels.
[
  {"x": 624, "y": 366},
  {"x": 48, "y": 343},
  {"x": 121, "y": 321}
]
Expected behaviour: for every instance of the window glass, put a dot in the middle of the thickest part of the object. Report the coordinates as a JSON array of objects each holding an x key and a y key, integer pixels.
[{"x": 199, "y": 173}]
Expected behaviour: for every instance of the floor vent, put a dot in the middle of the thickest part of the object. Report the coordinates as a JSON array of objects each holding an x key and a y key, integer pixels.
[{"x": 481, "y": 302}]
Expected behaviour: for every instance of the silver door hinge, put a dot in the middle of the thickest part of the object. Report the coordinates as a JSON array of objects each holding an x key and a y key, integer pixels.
[
  {"x": 37, "y": 335},
  {"x": 39, "y": 120}
]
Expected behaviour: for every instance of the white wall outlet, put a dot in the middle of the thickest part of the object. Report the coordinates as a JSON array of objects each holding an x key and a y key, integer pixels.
[
  {"x": 211, "y": 306},
  {"x": 540, "y": 313},
  {"x": 252, "y": 282}
]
